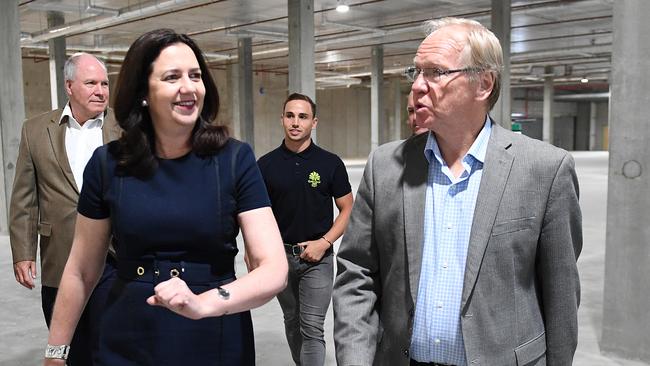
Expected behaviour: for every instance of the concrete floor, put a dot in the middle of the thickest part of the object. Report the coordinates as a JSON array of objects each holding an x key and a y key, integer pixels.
[{"x": 23, "y": 333}]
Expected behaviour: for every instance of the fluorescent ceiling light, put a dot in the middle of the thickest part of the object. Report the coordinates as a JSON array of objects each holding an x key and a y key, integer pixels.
[{"x": 342, "y": 7}]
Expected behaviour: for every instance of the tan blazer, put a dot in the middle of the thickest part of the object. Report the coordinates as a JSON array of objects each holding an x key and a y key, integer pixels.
[{"x": 44, "y": 198}]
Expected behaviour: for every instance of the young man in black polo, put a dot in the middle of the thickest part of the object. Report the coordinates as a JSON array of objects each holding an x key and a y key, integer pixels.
[{"x": 302, "y": 179}]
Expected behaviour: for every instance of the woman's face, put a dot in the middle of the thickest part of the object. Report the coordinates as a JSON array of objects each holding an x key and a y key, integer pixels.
[{"x": 176, "y": 90}]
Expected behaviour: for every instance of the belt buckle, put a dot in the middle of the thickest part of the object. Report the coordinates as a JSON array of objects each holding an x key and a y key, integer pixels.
[{"x": 296, "y": 250}]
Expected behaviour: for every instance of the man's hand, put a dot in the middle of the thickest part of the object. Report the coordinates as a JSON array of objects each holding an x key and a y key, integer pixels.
[
  {"x": 25, "y": 272},
  {"x": 314, "y": 250}
]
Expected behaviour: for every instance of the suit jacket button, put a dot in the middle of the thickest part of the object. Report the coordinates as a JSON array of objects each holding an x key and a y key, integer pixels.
[
  {"x": 406, "y": 352},
  {"x": 411, "y": 312}
]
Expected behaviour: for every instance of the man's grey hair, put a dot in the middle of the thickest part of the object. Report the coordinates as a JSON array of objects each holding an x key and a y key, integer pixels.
[
  {"x": 70, "y": 66},
  {"x": 482, "y": 50}
]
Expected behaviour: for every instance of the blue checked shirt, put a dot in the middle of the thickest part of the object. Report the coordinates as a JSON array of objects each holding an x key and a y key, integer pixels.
[{"x": 449, "y": 211}]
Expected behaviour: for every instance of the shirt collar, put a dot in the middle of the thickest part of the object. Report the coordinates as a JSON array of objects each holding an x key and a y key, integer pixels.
[
  {"x": 305, "y": 154},
  {"x": 476, "y": 151},
  {"x": 67, "y": 116}
]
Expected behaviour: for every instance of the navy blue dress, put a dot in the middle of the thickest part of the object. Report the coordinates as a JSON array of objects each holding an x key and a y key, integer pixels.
[{"x": 184, "y": 219}]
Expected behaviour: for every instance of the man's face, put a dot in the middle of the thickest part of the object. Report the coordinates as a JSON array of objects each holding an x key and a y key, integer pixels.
[
  {"x": 88, "y": 92},
  {"x": 298, "y": 120},
  {"x": 438, "y": 103},
  {"x": 410, "y": 121}
]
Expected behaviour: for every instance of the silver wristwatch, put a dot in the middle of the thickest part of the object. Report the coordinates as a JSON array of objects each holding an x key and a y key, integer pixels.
[{"x": 59, "y": 352}]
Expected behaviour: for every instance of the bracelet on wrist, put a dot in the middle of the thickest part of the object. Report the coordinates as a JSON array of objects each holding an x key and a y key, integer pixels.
[
  {"x": 324, "y": 238},
  {"x": 57, "y": 352}
]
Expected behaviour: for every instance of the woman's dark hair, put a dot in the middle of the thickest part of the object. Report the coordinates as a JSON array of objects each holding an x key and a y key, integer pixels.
[{"x": 135, "y": 149}]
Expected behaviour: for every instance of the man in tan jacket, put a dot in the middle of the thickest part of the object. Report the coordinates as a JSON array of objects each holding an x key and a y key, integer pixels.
[{"x": 54, "y": 149}]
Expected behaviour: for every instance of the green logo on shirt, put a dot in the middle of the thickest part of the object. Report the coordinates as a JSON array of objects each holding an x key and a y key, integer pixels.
[{"x": 314, "y": 179}]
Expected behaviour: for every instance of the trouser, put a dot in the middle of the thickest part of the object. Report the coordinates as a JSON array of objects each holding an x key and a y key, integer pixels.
[
  {"x": 86, "y": 334},
  {"x": 304, "y": 303}
]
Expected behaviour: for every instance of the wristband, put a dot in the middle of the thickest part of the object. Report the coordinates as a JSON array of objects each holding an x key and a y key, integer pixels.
[{"x": 324, "y": 238}]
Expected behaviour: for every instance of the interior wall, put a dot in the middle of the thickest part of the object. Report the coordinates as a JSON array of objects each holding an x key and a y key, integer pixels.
[
  {"x": 564, "y": 132},
  {"x": 602, "y": 126},
  {"x": 564, "y": 115},
  {"x": 343, "y": 113},
  {"x": 269, "y": 93},
  {"x": 36, "y": 86},
  {"x": 582, "y": 126},
  {"x": 225, "y": 99},
  {"x": 344, "y": 121}
]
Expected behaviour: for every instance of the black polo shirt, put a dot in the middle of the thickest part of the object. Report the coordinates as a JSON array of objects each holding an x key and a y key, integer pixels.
[{"x": 301, "y": 188}]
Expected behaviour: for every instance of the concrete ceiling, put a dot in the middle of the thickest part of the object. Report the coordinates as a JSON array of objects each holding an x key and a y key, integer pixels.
[{"x": 572, "y": 36}]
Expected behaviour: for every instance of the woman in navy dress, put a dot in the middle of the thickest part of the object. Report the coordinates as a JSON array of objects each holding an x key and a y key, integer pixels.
[{"x": 172, "y": 192}]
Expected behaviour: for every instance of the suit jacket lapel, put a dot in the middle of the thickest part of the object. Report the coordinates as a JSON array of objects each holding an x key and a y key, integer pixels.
[
  {"x": 414, "y": 191},
  {"x": 111, "y": 130},
  {"x": 56, "y": 132},
  {"x": 496, "y": 169}
]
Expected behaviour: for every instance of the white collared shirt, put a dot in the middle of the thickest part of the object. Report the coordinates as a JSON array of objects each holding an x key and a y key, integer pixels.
[{"x": 81, "y": 141}]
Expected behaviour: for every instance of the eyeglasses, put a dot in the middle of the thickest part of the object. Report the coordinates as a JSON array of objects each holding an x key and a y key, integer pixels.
[{"x": 433, "y": 74}]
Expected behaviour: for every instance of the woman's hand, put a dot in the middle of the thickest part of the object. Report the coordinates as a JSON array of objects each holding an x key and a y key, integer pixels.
[{"x": 174, "y": 295}]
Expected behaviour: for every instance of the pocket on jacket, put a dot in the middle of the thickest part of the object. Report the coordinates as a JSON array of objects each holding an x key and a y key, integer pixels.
[
  {"x": 44, "y": 229},
  {"x": 531, "y": 350},
  {"x": 512, "y": 226}
]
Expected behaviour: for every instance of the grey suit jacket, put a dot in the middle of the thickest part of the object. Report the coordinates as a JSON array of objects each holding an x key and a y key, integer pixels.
[
  {"x": 44, "y": 197},
  {"x": 521, "y": 289}
]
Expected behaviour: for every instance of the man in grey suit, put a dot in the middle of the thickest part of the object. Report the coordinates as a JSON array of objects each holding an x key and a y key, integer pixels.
[
  {"x": 54, "y": 149},
  {"x": 462, "y": 244}
]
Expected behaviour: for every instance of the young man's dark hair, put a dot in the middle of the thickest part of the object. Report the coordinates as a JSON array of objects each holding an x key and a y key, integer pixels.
[{"x": 298, "y": 96}]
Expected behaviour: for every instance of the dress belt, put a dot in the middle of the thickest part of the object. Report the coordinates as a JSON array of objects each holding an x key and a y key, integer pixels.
[
  {"x": 293, "y": 249},
  {"x": 417, "y": 363},
  {"x": 156, "y": 271},
  {"x": 296, "y": 250}
]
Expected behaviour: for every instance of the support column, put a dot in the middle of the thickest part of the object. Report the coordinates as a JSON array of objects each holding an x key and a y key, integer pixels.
[
  {"x": 547, "y": 126},
  {"x": 12, "y": 103},
  {"x": 627, "y": 260},
  {"x": 233, "y": 75},
  {"x": 57, "y": 60},
  {"x": 501, "y": 28},
  {"x": 301, "y": 49},
  {"x": 376, "y": 80},
  {"x": 593, "y": 117},
  {"x": 245, "y": 71},
  {"x": 397, "y": 97}
]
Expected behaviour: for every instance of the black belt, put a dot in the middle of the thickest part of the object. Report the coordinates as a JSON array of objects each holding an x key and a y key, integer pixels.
[
  {"x": 293, "y": 249},
  {"x": 417, "y": 363},
  {"x": 296, "y": 250},
  {"x": 156, "y": 271}
]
